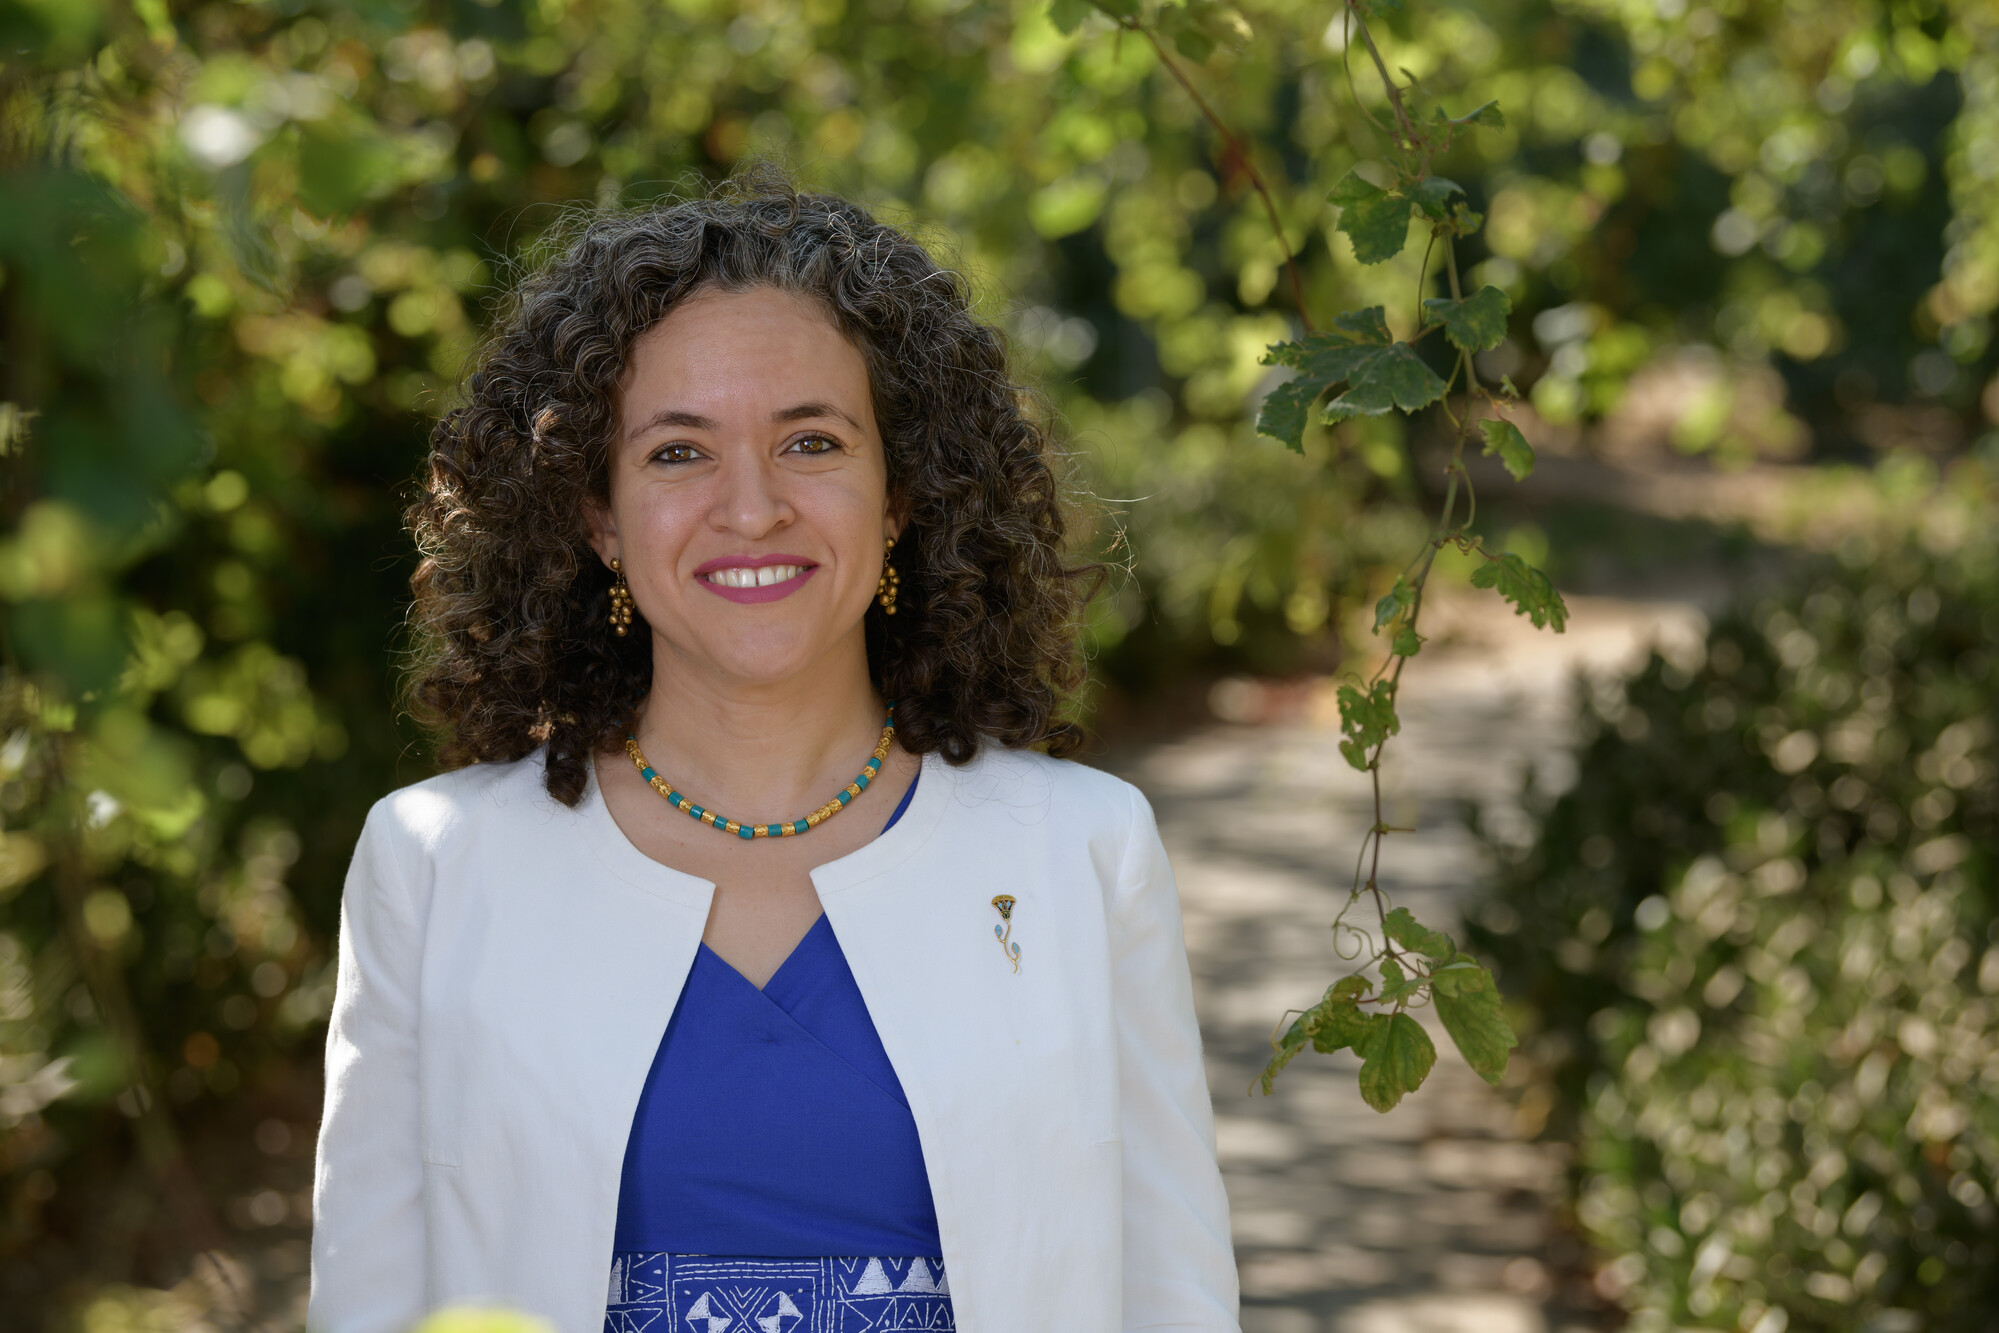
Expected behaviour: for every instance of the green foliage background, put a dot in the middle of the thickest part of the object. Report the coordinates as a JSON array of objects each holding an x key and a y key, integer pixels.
[
  {"x": 245, "y": 248},
  {"x": 1757, "y": 946}
]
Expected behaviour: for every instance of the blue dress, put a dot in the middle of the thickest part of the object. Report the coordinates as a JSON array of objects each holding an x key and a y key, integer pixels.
[{"x": 773, "y": 1179}]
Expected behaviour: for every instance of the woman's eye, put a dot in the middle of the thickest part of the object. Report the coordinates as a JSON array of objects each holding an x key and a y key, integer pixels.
[
  {"x": 678, "y": 453},
  {"x": 815, "y": 444}
]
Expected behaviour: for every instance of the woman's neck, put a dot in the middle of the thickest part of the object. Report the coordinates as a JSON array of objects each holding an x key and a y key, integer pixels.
[{"x": 769, "y": 749}]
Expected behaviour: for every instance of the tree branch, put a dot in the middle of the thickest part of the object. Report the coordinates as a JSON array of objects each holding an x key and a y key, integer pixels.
[{"x": 1241, "y": 152}]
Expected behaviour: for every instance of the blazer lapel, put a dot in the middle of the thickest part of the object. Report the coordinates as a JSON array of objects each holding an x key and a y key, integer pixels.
[{"x": 986, "y": 1051}]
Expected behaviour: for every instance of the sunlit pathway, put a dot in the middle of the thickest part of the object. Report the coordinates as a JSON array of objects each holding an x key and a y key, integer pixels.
[{"x": 1435, "y": 1217}]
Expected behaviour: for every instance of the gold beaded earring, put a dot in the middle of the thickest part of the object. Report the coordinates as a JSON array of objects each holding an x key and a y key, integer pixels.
[
  {"x": 890, "y": 583},
  {"x": 621, "y": 601}
]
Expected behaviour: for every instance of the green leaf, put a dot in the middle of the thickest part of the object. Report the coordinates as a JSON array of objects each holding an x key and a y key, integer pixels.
[
  {"x": 1475, "y": 323},
  {"x": 1398, "y": 600},
  {"x": 1388, "y": 378},
  {"x": 1395, "y": 1059},
  {"x": 1330, "y": 1024},
  {"x": 1456, "y": 975},
  {"x": 1432, "y": 194},
  {"x": 1335, "y": 1021},
  {"x": 1295, "y": 1039},
  {"x": 1353, "y": 188},
  {"x": 1344, "y": 1025},
  {"x": 1285, "y": 410},
  {"x": 1416, "y": 937},
  {"x": 1504, "y": 438},
  {"x": 1068, "y": 15},
  {"x": 1325, "y": 358},
  {"x": 1381, "y": 373},
  {"x": 1469, "y": 1009},
  {"x": 1487, "y": 115},
  {"x": 1407, "y": 642},
  {"x": 1348, "y": 988},
  {"x": 1367, "y": 720},
  {"x": 1530, "y": 591},
  {"x": 1395, "y": 986},
  {"x": 1369, "y": 325},
  {"x": 1376, "y": 221}
]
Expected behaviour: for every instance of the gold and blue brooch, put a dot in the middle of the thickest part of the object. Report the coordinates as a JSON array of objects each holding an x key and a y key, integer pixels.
[{"x": 1004, "y": 930}]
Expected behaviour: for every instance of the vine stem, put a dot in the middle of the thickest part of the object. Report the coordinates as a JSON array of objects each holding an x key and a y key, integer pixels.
[
  {"x": 1454, "y": 474},
  {"x": 1417, "y": 162},
  {"x": 1472, "y": 385},
  {"x": 1393, "y": 89},
  {"x": 1346, "y": 66},
  {"x": 1241, "y": 151}
]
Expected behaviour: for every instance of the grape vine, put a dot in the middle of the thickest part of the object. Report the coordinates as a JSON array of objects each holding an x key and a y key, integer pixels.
[{"x": 1357, "y": 367}]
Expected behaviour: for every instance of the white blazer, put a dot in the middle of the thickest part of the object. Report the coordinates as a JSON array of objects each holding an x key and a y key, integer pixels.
[{"x": 507, "y": 966}]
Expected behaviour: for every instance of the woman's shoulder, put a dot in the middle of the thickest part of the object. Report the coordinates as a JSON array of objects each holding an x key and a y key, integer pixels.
[
  {"x": 451, "y": 804},
  {"x": 1028, "y": 780}
]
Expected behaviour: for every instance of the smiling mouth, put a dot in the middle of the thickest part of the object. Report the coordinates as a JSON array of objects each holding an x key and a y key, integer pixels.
[{"x": 761, "y": 577}]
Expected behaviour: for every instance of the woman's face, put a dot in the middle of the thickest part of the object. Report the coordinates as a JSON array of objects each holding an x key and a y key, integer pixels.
[{"x": 748, "y": 487}]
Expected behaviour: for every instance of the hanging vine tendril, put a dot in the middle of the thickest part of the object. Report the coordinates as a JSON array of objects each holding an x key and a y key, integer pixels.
[{"x": 1353, "y": 366}]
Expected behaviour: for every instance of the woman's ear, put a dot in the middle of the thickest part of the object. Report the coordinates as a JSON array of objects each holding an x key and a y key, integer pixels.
[{"x": 601, "y": 529}]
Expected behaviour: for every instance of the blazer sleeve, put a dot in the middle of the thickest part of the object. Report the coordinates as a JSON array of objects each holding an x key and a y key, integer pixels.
[
  {"x": 1179, "y": 1266},
  {"x": 368, "y": 1251}
]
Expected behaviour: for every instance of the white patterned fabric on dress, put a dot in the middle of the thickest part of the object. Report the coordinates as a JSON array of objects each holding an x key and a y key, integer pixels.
[{"x": 699, "y": 1293}]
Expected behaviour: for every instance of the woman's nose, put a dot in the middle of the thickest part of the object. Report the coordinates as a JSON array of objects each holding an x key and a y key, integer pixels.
[{"x": 749, "y": 500}]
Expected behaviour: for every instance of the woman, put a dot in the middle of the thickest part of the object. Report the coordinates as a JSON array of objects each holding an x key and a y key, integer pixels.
[{"x": 742, "y": 512}]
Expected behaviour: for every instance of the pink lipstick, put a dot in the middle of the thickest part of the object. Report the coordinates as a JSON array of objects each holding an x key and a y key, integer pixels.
[{"x": 758, "y": 578}]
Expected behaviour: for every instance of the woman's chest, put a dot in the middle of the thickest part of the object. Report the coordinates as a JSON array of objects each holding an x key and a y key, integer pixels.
[{"x": 542, "y": 1005}]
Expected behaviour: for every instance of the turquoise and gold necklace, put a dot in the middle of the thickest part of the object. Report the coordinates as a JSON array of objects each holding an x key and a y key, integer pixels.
[{"x": 782, "y": 830}]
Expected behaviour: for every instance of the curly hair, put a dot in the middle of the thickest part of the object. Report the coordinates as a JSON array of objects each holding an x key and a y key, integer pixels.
[{"x": 511, "y": 602}]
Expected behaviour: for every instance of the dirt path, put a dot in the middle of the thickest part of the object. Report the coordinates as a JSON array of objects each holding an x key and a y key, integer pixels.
[{"x": 1434, "y": 1218}]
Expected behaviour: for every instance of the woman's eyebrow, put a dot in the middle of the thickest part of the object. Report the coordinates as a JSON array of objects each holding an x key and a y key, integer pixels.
[
  {"x": 805, "y": 411},
  {"x": 670, "y": 417},
  {"x": 695, "y": 421}
]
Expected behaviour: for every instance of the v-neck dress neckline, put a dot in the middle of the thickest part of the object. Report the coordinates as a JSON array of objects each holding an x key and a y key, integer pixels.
[
  {"x": 772, "y": 1122},
  {"x": 818, "y": 921},
  {"x": 704, "y": 951},
  {"x": 773, "y": 1178}
]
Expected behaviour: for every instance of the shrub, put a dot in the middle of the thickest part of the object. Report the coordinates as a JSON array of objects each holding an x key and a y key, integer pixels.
[{"x": 1756, "y": 945}]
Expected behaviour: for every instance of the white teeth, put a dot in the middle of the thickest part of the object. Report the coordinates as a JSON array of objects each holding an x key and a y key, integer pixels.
[{"x": 741, "y": 577}]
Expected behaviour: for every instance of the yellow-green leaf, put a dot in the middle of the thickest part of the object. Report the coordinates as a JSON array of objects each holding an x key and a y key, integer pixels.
[
  {"x": 1532, "y": 593},
  {"x": 1396, "y": 1058},
  {"x": 1504, "y": 438},
  {"x": 1469, "y": 1008},
  {"x": 1367, "y": 719},
  {"x": 1416, "y": 937},
  {"x": 1344, "y": 1025}
]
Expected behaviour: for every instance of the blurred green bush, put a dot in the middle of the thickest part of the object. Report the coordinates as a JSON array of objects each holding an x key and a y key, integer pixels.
[{"x": 1758, "y": 955}]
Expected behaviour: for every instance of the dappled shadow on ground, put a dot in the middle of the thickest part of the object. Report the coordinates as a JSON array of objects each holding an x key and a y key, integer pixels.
[{"x": 1439, "y": 1216}]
